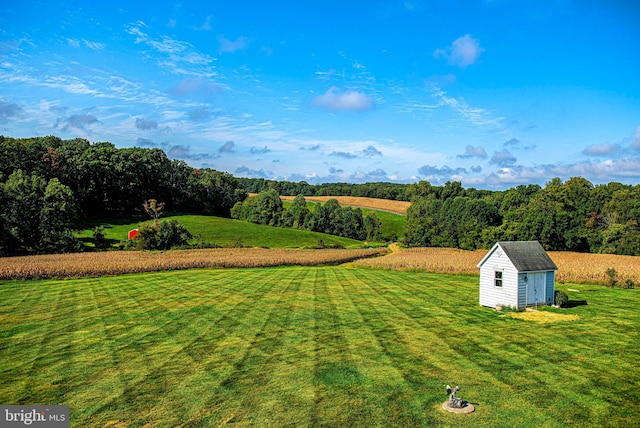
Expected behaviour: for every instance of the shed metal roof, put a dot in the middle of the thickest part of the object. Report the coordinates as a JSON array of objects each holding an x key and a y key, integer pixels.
[{"x": 526, "y": 256}]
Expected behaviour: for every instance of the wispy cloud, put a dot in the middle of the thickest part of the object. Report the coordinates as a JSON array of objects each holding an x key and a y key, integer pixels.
[
  {"x": 77, "y": 43},
  {"x": 259, "y": 150},
  {"x": 605, "y": 149},
  {"x": 253, "y": 173},
  {"x": 335, "y": 100},
  {"x": 8, "y": 111},
  {"x": 227, "y": 147},
  {"x": 516, "y": 144},
  {"x": 146, "y": 124},
  {"x": 626, "y": 170},
  {"x": 440, "y": 174},
  {"x": 503, "y": 158},
  {"x": 473, "y": 152},
  {"x": 181, "y": 151},
  {"x": 462, "y": 52},
  {"x": 195, "y": 87},
  {"x": 229, "y": 46},
  {"x": 344, "y": 155},
  {"x": 368, "y": 152},
  {"x": 476, "y": 116},
  {"x": 77, "y": 121},
  {"x": 176, "y": 53},
  {"x": 635, "y": 139},
  {"x": 206, "y": 25}
]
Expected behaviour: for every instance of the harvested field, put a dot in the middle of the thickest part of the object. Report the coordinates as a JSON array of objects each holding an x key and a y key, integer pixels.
[
  {"x": 122, "y": 262},
  {"x": 572, "y": 267},
  {"x": 397, "y": 207}
]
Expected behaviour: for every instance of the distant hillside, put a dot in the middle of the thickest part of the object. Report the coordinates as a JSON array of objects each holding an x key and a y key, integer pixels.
[
  {"x": 397, "y": 207},
  {"x": 227, "y": 232}
]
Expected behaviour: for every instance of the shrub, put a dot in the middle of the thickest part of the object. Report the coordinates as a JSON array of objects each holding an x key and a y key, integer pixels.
[
  {"x": 99, "y": 240},
  {"x": 561, "y": 299},
  {"x": 168, "y": 234},
  {"x": 611, "y": 273},
  {"x": 628, "y": 283}
]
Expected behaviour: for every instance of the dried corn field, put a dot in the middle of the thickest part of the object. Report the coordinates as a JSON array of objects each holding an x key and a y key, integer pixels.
[
  {"x": 397, "y": 207},
  {"x": 122, "y": 262},
  {"x": 572, "y": 267}
]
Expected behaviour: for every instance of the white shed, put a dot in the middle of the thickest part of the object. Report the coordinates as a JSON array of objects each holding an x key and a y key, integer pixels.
[{"x": 517, "y": 274}]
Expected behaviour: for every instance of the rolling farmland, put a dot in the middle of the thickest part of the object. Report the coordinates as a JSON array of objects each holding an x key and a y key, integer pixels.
[
  {"x": 397, "y": 207},
  {"x": 572, "y": 267}
]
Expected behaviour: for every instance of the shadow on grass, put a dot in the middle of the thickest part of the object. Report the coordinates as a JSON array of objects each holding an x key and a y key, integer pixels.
[{"x": 575, "y": 303}]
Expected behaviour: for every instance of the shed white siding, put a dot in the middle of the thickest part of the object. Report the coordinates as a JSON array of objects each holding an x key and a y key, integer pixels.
[{"x": 492, "y": 296}]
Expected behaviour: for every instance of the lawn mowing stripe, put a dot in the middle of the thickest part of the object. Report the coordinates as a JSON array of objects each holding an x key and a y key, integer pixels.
[
  {"x": 482, "y": 345},
  {"x": 116, "y": 301},
  {"x": 382, "y": 386},
  {"x": 531, "y": 380},
  {"x": 337, "y": 380},
  {"x": 139, "y": 385},
  {"x": 18, "y": 335},
  {"x": 261, "y": 352},
  {"x": 223, "y": 346},
  {"x": 286, "y": 354},
  {"x": 409, "y": 352},
  {"x": 371, "y": 311}
]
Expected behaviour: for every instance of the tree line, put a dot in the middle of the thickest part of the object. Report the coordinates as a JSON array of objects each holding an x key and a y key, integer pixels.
[
  {"x": 48, "y": 185},
  {"x": 267, "y": 208},
  {"x": 573, "y": 215},
  {"x": 379, "y": 190}
]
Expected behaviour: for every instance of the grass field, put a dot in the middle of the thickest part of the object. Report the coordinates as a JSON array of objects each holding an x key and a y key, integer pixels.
[
  {"x": 226, "y": 232},
  {"x": 313, "y": 346}
]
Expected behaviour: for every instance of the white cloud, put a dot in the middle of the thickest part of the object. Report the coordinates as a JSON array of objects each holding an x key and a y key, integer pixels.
[
  {"x": 462, "y": 52},
  {"x": 349, "y": 100},
  {"x": 605, "y": 149}
]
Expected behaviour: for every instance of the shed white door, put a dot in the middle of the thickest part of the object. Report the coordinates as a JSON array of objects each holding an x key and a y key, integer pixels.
[{"x": 536, "y": 288}]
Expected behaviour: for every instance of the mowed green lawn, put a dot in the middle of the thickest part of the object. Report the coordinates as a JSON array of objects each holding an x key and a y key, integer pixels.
[{"x": 319, "y": 346}]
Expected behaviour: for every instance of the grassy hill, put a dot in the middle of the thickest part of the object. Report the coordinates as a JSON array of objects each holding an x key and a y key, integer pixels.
[
  {"x": 225, "y": 232},
  {"x": 393, "y": 224}
]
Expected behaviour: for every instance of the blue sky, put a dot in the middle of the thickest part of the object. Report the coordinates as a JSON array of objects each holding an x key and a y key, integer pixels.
[{"x": 490, "y": 93}]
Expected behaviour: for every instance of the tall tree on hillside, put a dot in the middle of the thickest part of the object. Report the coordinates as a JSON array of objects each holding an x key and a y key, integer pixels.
[
  {"x": 58, "y": 218},
  {"x": 299, "y": 212}
]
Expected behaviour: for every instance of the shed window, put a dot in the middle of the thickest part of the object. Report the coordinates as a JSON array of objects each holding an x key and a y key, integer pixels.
[{"x": 498, "y": 278}]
